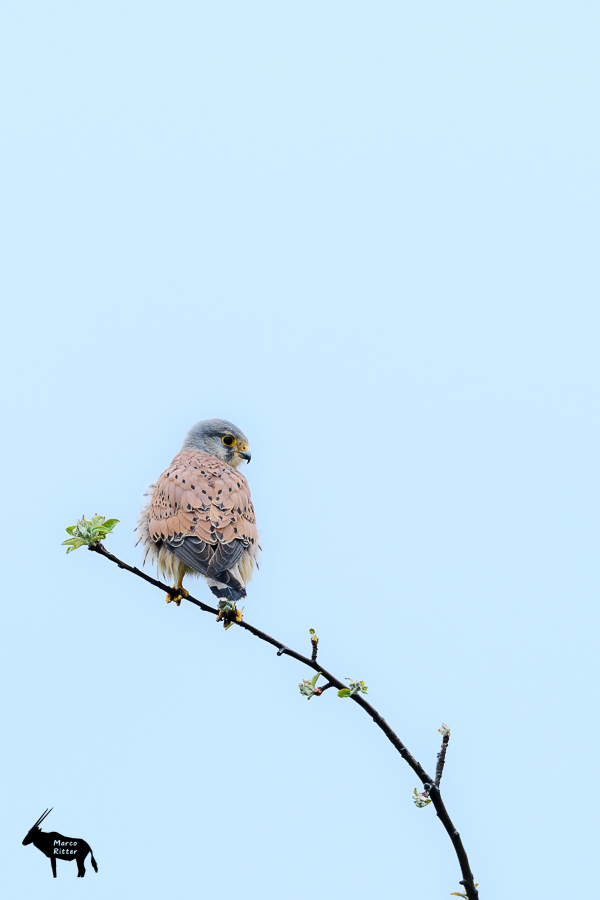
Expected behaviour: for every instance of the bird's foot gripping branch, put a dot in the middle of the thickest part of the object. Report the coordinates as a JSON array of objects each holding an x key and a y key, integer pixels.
[
  {"x": 177, "y": 594},
  {"x": 91, "y": 534},
  {"x": 229, "y": 613}
]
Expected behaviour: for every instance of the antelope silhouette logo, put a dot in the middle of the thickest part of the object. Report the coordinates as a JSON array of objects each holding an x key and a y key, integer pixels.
[{"x": 57, "y": 846}]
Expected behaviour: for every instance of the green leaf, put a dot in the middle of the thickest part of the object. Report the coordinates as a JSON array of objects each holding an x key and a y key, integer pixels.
[
  {"x": 110, "y": 524},
  {"x": 75, "y": 544},
  {"x": 344, "y": 693}
]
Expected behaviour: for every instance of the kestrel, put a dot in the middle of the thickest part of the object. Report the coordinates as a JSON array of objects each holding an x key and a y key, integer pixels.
[{"x": 200, "y": 518}]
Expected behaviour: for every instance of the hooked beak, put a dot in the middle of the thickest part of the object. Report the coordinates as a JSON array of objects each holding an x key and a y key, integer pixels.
[{"x": 245, "y": 455}]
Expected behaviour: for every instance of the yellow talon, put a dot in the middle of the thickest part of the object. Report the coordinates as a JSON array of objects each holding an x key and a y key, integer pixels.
[
  {"x": 237, "y": 617},
  {"x": 178, "y": 597},
  {"x": 228, "y": 616}
]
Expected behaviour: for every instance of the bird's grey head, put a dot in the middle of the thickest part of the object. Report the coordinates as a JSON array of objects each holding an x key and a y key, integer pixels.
[{"x": 219, "y": 438}]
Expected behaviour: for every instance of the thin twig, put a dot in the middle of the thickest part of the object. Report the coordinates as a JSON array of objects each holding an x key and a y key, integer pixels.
[
  {"x": 282, "y": 650},
  {"x": 441, "y": 759}
]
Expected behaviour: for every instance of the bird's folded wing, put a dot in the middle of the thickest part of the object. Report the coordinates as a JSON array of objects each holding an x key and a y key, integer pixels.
[
  {"x": 200, "y": 496},
  {"x": 211, "y": 560}
]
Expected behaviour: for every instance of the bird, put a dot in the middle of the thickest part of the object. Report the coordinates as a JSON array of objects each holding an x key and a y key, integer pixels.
[{"x": 199, "y": 519}]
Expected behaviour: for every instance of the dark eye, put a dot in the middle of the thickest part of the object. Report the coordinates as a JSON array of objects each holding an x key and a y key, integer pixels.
[{"x": 228, "y": 440}]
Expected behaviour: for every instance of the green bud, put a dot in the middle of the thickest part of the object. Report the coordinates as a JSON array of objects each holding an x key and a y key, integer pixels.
[
  {"x": 88, "y": 532},
  {"x": 308, "y": 688},
  {"x": 355, "y": 687}
]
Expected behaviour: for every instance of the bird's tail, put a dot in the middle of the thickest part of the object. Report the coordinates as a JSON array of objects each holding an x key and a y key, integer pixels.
[{"x": 229, "y": 593}]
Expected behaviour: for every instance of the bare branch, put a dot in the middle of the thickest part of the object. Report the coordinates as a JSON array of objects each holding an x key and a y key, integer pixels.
[
  {"x": 431, "y": 786},
  {"x": 441, "y": 757}
]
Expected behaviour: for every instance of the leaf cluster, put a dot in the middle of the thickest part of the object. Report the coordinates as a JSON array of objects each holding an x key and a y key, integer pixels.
[
  {"x": 88, "y": 532},
  {"x": 308, "y": 687},
  {"x": 355, "y": 687}
]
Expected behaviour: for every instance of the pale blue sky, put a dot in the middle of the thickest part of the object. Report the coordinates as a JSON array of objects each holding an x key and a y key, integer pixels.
[{"x": 367, "y": 234}]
